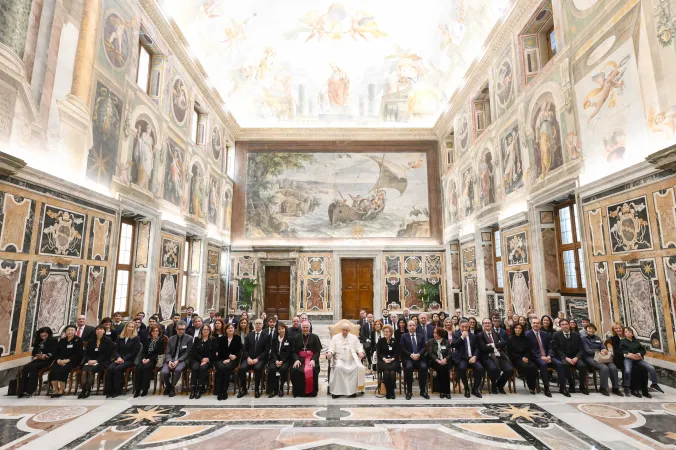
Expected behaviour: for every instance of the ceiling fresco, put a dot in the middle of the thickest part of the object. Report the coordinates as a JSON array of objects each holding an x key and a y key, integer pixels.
[{"x": 322, "y": 63}]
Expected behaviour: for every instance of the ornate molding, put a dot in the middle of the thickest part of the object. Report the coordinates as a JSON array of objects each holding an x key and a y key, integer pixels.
[
  {"x": 9, "y": 165},
  {"x": 343, "y": 134},
  {"x": 664, "y": 159}
]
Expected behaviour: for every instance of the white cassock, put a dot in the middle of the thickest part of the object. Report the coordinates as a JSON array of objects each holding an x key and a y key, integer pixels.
[{"x": 347, "y": 371}]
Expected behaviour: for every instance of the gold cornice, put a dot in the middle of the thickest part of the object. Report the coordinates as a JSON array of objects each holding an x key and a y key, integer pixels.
[{"x": 343, "y": 134}]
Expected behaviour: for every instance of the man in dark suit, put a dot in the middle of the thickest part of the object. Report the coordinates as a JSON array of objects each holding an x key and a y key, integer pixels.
[
  {"x": 171, "y": 328},
  {"x": 141, "y": 332},
  {"x": 386, "y": 318},
  {"x": 176, "y": 355},
  {"x": 466, "y": 355},
  {"x": 271, "y": 330},
  {"x": 83, "y": 331},
  {"x": 541, "y": 342},
  {"x": 425, "y": 329},
  {"x": 406, "y": 316},
  {"x": 195, "y": 327},
  {"x": 365, "y": 337},
  {"x": 499, "y": 328},
  {"x": 493, "y": 357},
  {"x": 232, "y": 318},
  {"x": 413, "y": 356},
  {"x": 211, "y": 319},
  {"x": 118, "y": 324},
  {"x": 567, "y": 350},
  {"x": 255, "y": 356},
  {"x": 294, "y": 330},
  {"x": 189, "y": 316},
  {"x": 362, "y": 317}
]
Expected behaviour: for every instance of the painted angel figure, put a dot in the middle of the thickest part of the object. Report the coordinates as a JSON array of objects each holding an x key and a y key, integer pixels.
[{"x": 608, "y": 83}]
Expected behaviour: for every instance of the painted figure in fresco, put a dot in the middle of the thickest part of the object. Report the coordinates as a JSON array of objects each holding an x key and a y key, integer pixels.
[
  {"x": 547, "y": 146},
  {"x": 608, "y": 83},
  {"x": 227, "y": 217},
  {"x": 338, "y": 87},
  {"x": 511, "y": 156},
  {"x": 143, "y": 154},
  {"x": 503, "y": 83},
  {"x": 106, "y": 114},
  {"x": 173, "y": 175},
  {"x": 663, "y": 123},
  {"x": 167, "y": 297},
  {"x": 196, "y": 193},
  {"x": 468, "y": 193},
  {"x": 463, "y": 132},
  {"x": 520, "y": 293},
  {"x": 180, "y": 100},
  {"x": 452, "y": 202},
  {"x": 338, "y": 23},
  {"x": 216, "y": 146},
  {"x": 213, "y": 201},
  {"x": 486, "y": 174},
  {"x": 615, "y": 145},
  {"x": 115, "y": 41}
]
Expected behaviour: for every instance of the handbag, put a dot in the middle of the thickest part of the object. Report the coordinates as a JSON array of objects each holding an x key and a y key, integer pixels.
[{"x": 603, "y": 359}]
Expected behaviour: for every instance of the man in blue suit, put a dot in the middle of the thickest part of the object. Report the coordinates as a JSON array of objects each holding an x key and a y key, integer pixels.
[
  {"x": 499, "y": 328},
  {"x": 426, "y": 329},
  {"x": 466, "y": 355},
  {"x": 413, "y": 356},
  {"x": 542, "y": 354}
]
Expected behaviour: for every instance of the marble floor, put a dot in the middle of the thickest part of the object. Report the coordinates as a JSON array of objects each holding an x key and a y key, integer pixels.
[{"x": 516, "y": 421}]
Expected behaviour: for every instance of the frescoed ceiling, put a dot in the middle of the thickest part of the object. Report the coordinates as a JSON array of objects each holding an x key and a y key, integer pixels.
[{"x": 306, "y": 63}]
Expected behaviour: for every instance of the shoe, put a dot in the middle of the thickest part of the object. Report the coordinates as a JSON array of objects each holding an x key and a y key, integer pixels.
[
  {"x": 281, "y": 392},
  {"x": 144, "y": 393},
  {"x": 393, "y": 396},
  {"x": 88, "y": 392},
  {"x": 21, "y": 395},
  {"x": 572, "y": 390},
  {"x": 387, "y": 396},
  {"x": 257, "y": 394},
  {"x": 220, "y": 397},
  {"x": 564, "y": 392},
  {"x": 352, "y": 396},
  {"x": 193, "y": 391},
  {"x": 627, "y": 393},
  {"x": 532, "y": 391},
  {"x": 80, "y": 396},
  {"x": 646, "y": 394},
  {"x": 548, "y": 393},
  {"x": 476, "y": 393},
  {"x": 167, "y": 390},
  {"x": 172, "y": 392},
  {"x": 494, "y": 391},
  {"x": 137, "y": 393},
  {"x": 467, "y": 393},
  {"x": 636, "y": 393},
  {"x": 333, "y": 396},
  {"x": 408, "y": 396},
  {"x": 199, "y": 392},
  {"x": 656, "y": 387},
  {"x": 448, "y": 396},
  {"x": 424, "y": 395},
  {"x": 604, "y": 391},
  {"x": 585, "y": 391},
  {"x": 108, "y": 395},
  {"x": 117, "y": 394},
  {"x": 442, "y": 395},
  {"x": 241, "y": 393},
  {"x": 617, "y": 392},
  {"x": 272, "y": 394}
]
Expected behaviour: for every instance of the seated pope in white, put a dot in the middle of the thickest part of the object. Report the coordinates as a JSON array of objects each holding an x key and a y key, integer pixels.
[{"x": 347, "y": 371}]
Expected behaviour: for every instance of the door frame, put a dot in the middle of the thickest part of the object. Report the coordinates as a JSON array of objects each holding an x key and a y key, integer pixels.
[
  {"x": 377, "y": 257},
  {"x": 291, "y": 264}
]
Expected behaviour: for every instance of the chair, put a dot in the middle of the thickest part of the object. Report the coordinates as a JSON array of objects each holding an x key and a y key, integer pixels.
[
  {"x": 251, "y": 375},
  {"x": 129, "y": 372},
  {"x": 41, "y": 374},
  {"x": 594, "y": 372},
  {"x": 74, "y": 375},
  {"x": 335, "y": 329},
  {"x": 379, "y": 378}
]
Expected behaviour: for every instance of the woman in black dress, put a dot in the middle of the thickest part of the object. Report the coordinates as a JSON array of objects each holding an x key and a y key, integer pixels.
[
  {"x": 401, "y": 329},
  {"x": 202, "y": 353},
  {"x": 44, "y": 347},
  {"x": 96, "y": 358},
  {"x": 219, "y": 328},
  {"x": 520, "y": 351},
  {"x": 387, "y": 350},
  {"x": 280, "y": 360},
  {"x": 547, "y": 324},
  {"x": 68, "y": 355},
  {"x": 439, "y": 358},
  {"x": 107, "y": 324},
  {"x": 229, "y": 350},
  {"x": 126, "y": 349},
  {"x": 151, "y": 349}
]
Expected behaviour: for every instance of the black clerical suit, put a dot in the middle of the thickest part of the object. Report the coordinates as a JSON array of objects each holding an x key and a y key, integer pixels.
[
  {"x": 256, "y": 348},
  {"x": 499, "y": 368},
  {"x": 569, "y": 346},
  {"x": 311, "y": 343},
  {"x": 279, "y": 351}
]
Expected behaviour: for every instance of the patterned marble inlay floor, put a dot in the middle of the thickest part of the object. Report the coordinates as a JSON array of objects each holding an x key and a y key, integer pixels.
[{"x": 516, "y": 421}]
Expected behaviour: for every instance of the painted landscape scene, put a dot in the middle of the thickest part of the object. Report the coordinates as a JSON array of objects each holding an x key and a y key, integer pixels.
[{"x": 337, "y": 195}]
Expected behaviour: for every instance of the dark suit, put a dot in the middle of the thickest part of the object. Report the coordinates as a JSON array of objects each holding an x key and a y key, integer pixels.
[
  {"x": 365, "y": 333},
  {"x": 224, "y": 365},
  {"x": 461, "y": 358},
  {"x": 144, "y": 372},
  {"x": 87, "y": 333},
  {"x": 232, "y": 320},
  {"x": 502, "y": 333},
  {"x": 127, "y": 349},
  {"x": 541, "y": 364},
  {"x": 387, "y": 321},
  {"x": 427, "y": 331},
  {"x": 177, "y": 349},
  {"x": 29, "y": 374},
  {"x": 171, "y": 330},
  {"x": 201, "y": 349},
  {"x": 279, "y": 351},
  {"x": 494, "y": 365},
  {"x": 443, "y": 370},
  {"x": 563, "y": 348},
  {"x": 272, "y": 334},
  {"x": 408, "y": 347},
  {"x": 254, "y": 350}
]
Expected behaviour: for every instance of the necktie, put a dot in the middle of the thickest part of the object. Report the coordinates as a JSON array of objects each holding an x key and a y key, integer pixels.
[
  {"x": 490, "y": 338},
  {"x": 567, "y": 336},
  {"x": 469, "y": 348},
  {"x": 256, "y": 341},
  {"x": 79, "y": 332},
  {"x": 415, "y": 344},
  {"x": 542, "y": 349},
  {"x": 178, "y": 347},
  {"x": 425, "y": 332}
]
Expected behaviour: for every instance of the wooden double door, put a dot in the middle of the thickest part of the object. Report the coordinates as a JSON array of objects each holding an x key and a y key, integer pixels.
[
  {"x": 277, "y": 291},
  {"x": 357, "y": 286}
]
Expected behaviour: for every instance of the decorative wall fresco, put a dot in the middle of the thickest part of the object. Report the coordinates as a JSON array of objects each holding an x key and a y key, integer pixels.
[
  {"x": 336, "y": 195},
  {"x": 143, "y": 151},
  {"x": 517, "y": 248},
  {"x": 551, "y": 267},
  {"x": 605, "y": 303},
  {"x": 100, "y": 237},
  {"x": 512, "y": 168},
  {"x": 468, "y": 196},
  {"x": 117, "y": 40},
  {"x": 596, "y": 234},
  {"x": 168, "y": 295},
  {"x": 520, "y": 291},
  {"x": 169, "y": 279},
  {"x": 94, "y": 293},
  {"x": 470, "y": 288},
  {"x": 404, "y": 276},
  {"x": 315, "y": 282},
  {"x": 546, "y": 132},
  {"x": 197, "y": 193},
  {"x": 16, "y": 223},
  {"x": 12, "y": 284},
  {"x": 62, "y": 232},
  {"x": 227, "y": 208},
  {"x": 174, "y": 173},
  {"x": 169, "y": 254},
  {"x": 106, "y": 120},
  {"x": 628, "y": 225},
  {"x": 504, "y": 84},
  {"x": 665, "y": 212},
  {"x": 138, "y": 291},
  {"x": 142, "y": 244},
  {"x": 486, "y": 177},
  {"x": 180, "y": 101},
  {"x": 213, "y": 201},
  {"x": 243, "y": 266}
]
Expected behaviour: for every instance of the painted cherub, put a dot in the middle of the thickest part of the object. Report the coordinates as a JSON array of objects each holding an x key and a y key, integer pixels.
[{"x": 605, "y": 93}]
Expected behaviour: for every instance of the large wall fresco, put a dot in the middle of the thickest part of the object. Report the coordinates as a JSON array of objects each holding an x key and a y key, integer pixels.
[
  {"x": 337, "y": 195},
  {"x": 404, "y": 276},
  {"x": 53, "y": 266}
]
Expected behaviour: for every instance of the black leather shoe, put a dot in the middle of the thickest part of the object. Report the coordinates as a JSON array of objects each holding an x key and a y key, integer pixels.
[
  {"x": 656, "y": 387},
  {"x": 572, "y": 390},
  {"x": 88, "y": 392},
  {"x": 193, "y": 390},
  {"x": 272, "y": 394},
  {"x": 257, "y": 394},
  {"x": 467, "y": 394},
  {"x": 241, "y": 393},
  {"x": 646, "y": 394},
  {"x": 604, "y": 391},
  {"x": 564, "y": 392},
  {"x": 618, "y": 392},
  {"x": 442, "y": 395},
  {"x": 281, "y": 392},
  {"x": 352, "y": 396},
  {"x": 167, "y": 390},
  {"x": 476, "y": 393},
  {"x": 334, "y": 396},
  {"x": 393, "y": 396},
  {"x": 532, "y": 391},
  {"x": 172, "y": 392},
  {"x": 198, "y": 394},
  {"x": 494, "y": 391},
  {"x": 636, "y": 393},
  {"x": 448, "y": 396},
  {"x": 408, "y": 396},
  {"x": 219, "y": 397},
  {"x": 548, "y": 393},
  {"x": 80, "y": 396},
  {"x": 585, "y": 391},
  {"x": 425, "y": 395},
  {"x": 136, "y": 394}
]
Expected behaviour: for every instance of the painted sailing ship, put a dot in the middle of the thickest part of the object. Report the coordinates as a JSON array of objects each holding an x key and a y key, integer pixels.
[{"x": 392, "y": 176}]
